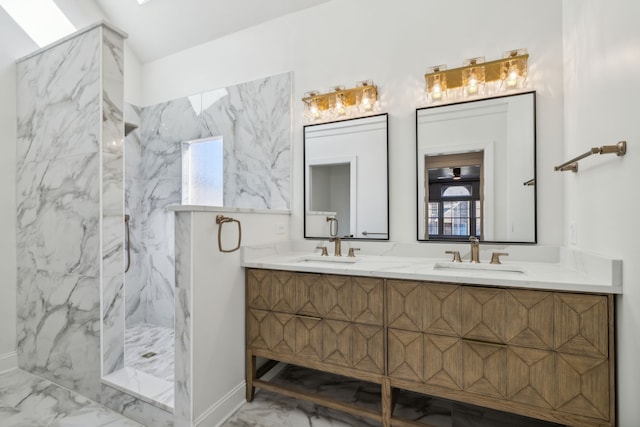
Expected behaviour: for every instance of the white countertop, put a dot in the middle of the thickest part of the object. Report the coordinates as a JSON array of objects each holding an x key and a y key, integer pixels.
[{"x": 533, "y": 267}]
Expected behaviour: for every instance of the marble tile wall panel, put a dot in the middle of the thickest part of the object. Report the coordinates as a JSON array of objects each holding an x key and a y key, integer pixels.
[
  {"x": 133, "y": 207},
  {"x": 58, "y": 329},
  {"x": 112, "y": 146},
  {"x": 183, "y": 328},
  {"x": 138, "y": 409},
  {"x": 64, "y": 109},
  {"x": 254, "y": 120},
  {"x": 152, "y": 184},
  {"x": 58, "y": 214},
  {"x": 58, "y": 207},
  {"x": 58, "y": 101}
]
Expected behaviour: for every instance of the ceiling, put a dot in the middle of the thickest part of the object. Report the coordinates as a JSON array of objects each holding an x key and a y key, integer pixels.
[{"x": 163, "y": 27}]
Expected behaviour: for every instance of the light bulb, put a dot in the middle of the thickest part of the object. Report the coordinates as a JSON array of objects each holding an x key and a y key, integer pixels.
[
  {"x": 365, "y": 102},
  {"x": 472, "y": 86},
  {"x": 313, "y": 109},
  {"x": 339, "y": 108},
  {"x": 436, "y": 91},
  {"x": 512, "y": 76}
]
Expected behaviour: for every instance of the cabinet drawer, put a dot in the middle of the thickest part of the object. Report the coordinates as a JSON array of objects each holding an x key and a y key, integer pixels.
[
  {"x": 351, "y": 299},
  {"x": 484, "y": 368},
  {"x": 270, "y": 330},
  {"x": 424, "y": 306},
  {"x": 353, "y": 345},
  {"x": 259, "y": 289},
  {"x": 581, "y": 324}
]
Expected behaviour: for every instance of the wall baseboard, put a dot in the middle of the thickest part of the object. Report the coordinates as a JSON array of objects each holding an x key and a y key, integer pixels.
[
  {"x": 220, "y": 411},
  {"x": 223, "y": 409},
  {"x": 8, "y": 362}
]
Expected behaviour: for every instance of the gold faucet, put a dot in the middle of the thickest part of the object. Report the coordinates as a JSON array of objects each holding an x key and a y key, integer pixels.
[
  {"x": 338, "y": 247},
  {"x": 475, "y": 249}
]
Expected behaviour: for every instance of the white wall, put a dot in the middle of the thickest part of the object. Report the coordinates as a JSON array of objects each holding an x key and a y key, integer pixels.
[
  {"x": 602, "y": 59},
  {"x": 20, "y": 45},
  {"x": 341, "y": 42},
  {"x": 218, "y": 308}
]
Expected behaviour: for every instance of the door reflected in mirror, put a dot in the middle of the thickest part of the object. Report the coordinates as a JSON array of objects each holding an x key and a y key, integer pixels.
[
  {"x": 475, "y": 165},
  {"x": 346, "y": 179}
]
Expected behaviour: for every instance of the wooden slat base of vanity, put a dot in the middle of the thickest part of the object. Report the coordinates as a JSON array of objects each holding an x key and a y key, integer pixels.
[
  {"x": 506, "y": 406},
  {"x": 318, "y": 400},
  {"x": 321, "y": 366}
]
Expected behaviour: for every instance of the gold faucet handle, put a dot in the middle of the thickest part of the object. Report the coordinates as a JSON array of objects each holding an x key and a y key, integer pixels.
[
  {"x": 352, "y": 252},
  {"x": 456, "y": 256},
  {"x": 495, "y": 257},
  {"x": 323, "y": 249}
]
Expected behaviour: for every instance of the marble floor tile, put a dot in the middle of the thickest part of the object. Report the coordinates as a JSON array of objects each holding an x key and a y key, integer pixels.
[
  {"x": 30, "y": 401},
  {"x": 144, "y": 338},
  {"x": 148, "y": 388},
  {"x": 270, "y": 409}
]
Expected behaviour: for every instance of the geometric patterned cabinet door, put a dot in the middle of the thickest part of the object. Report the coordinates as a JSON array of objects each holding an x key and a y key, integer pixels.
[
  {"x": 531, "y": 376},
  {"x": 259, "y": 289},
  {"x": 424, "y": 306},
  {"x": 529, "y": 318},
  {"x": 583, "y": 385},
  {"x": 483, "y": 314},
  {"x": 484, "y": 368},
  {"x": 581, "y": 324}
]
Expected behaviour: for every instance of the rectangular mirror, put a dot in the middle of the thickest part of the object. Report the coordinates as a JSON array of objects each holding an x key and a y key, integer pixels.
[
  {"x": 346, "y": 179},
  {"x": 476, "y": 169}
]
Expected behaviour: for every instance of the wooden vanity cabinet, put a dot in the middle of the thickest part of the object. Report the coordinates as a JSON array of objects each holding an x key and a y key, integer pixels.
[{"x": 542, "y": 354}]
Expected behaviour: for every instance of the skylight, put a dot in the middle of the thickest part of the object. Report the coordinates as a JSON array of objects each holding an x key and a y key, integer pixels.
[{"x": 42, "y": 20}]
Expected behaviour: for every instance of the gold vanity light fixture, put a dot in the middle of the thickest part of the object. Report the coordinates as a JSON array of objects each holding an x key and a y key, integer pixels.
[
  {"x": 341, "y": 102},
  {"x": 477, "y": 77}
]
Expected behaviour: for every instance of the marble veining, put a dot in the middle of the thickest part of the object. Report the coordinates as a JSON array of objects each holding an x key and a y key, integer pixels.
[
  {"x": 112, "y": 180},
  {"x": 28, "y": 400},
  {"x": 65, "y": 204},
  {"x": 144, "y": 338},
  {"x": 253, "y": 119},
  {"x": 183, "y": 351}
]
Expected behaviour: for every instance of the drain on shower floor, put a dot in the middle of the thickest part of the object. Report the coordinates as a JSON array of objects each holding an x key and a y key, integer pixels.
[{"x": 149, "y": 354}]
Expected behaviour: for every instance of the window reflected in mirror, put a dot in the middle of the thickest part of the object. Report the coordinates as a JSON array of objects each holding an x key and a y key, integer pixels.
[{"x": 454, "y": 196}]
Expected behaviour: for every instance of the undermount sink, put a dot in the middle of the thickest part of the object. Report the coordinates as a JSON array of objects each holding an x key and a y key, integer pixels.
[
  {"x": 479, "y": 267},
  {"x": 328, "y": 259}
]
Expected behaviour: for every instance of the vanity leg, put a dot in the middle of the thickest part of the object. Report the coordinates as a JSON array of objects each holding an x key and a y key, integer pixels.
[
  {"x": 250, "y": 375},
  {"x": 387, "y": 404}
]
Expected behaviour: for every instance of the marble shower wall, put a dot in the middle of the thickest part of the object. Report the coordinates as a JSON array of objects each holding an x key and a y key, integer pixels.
[
  {"x": 69, "y": 121},
  {"x": 254, "y": 120}
]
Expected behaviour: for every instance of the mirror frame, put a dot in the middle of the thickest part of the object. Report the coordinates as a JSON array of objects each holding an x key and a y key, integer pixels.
[
  {"x": 305, "y": 177},
  {"x": 535, "y": 168}
]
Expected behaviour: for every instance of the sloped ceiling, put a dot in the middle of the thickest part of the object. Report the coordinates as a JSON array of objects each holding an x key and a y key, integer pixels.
[{"x": 162, "y": 27}]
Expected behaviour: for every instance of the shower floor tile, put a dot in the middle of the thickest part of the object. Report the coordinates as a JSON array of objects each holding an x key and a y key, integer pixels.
[{"x": 155, "y": 342}]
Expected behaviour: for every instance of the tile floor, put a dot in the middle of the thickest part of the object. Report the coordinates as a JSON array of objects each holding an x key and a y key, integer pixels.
[
  {"x": 30, "y": 401},
  {"x": 27, "y": 400},
  {"x": 273, "y": 410}
]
